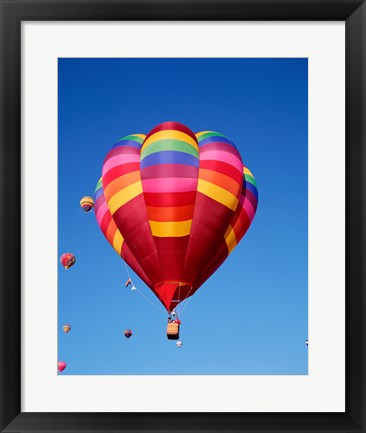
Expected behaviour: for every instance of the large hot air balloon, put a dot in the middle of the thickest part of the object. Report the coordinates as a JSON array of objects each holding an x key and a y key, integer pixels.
[
  {"x": 67, "y": 260},
  {"x": 61, "y": 365},
  {"x": 174, "y": 205},
  {"x": 87, "y": 203}
]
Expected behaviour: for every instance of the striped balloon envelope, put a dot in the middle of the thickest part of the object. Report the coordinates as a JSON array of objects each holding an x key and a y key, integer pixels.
[{"x": 174, "y": 205}]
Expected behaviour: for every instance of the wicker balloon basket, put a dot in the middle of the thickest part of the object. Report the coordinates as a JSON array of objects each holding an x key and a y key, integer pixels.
[{"x": 172, "y": 331}]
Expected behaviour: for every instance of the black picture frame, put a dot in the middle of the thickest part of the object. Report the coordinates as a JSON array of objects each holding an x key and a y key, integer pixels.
[{"x": 13, "y": 12}]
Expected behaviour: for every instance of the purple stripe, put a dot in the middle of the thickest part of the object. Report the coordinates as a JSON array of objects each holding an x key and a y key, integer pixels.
[
  {"x": 216, "y": 138},
  {"x": 130, "y": 143},
  {"x": 98, "y": 193},
  {"x": 169, "y": 170},
  {"x": 250, "y": 187},
  {"x": 122, "y": 151},
  {"x": 217, "y": 145},
  {"x": 169, "y": 157},
  {"x": 251, "y": 198}
]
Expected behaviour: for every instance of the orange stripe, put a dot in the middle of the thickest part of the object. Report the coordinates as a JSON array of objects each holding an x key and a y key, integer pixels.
[
  {"x": 121, "y": 183},
  {"x": 238, "y": 228},
  {"x": 177, "y": 213},
  {"x": 111, "y": 230},
  {"x": 220, "y": 180}
]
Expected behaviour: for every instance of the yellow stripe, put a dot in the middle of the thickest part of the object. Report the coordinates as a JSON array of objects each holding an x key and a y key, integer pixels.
[
  {"x": 230, "y": 239},
  {"x": 124, "y": 196},
  {"x": 86, "y": 201},
  {"x": 169, "y": 133},
  {"x": 139, "y": 136},
  {"x": 201, "y": 133},
  {"x": 247, "y": 171},
  {"x": 117, "y": 242},
  {"x": 217, "y": 193},
  {"x": 171, "y": 228}
]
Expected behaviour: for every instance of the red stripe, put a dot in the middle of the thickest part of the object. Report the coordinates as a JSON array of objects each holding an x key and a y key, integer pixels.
[
  {"x": 251, "y": 197},
  {"x": 210, "y": 222},
  {"x": 132, "y": 221},
  {"x": 172, "y": 254},
  {"x": 133, "y": 263},
  {"x": 220, "y": 256},
  {"x": 244, "y": 219},
  {"x": 172, "y": 125},
  {"x": 238, "y": 230},
  {"x": 119, "y": 170},
  {"x": 105, "y": 222},
  {"x": 169, "y": 200},
  {"x": 176, "y": 213},
  {"x": 224, "y": 168}
]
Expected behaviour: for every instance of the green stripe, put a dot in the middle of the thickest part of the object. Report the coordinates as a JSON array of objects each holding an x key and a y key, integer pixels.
[
  {"x": 250, "y": 179},
  {"x": 211, "y": 134},
  {"x": 169, "y": 144},
  {"x": 133, "y": 138},
  {"x": 99, "y": 184}
]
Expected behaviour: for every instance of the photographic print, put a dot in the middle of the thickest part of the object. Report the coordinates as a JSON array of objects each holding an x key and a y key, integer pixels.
[{"x": 183, "y": 216}]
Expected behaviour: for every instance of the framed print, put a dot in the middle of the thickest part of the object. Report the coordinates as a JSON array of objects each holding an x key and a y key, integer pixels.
[{"x": 182, "y": 216}]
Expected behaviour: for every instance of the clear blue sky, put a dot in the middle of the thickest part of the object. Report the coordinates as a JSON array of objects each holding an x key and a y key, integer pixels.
[{"x": 251, "y": 316}]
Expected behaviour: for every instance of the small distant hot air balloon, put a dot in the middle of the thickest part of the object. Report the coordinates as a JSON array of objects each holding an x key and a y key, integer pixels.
[
  {"x": 61, "y": 365},
  {"x": 179, "y": 344},
  {"x": 67, "y": 328},
  {"x": 87, "y": 203},
  {"x": 128, "y": 333},
  {"x": 67, "y": 260}
]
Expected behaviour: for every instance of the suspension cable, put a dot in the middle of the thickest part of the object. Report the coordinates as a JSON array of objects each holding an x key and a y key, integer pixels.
[
  {"x": 188, "y": 301},
  {"x": 138, "y": 291},
  {"x": 151, "y": 302}
]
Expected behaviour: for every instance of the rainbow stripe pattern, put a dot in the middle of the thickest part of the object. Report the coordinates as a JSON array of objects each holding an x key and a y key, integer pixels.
[{"x": 174, "y": 205}]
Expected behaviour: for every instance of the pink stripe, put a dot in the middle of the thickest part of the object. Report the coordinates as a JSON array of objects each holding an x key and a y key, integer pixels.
[
  {"x": 249, "y": 209},
  {"x": 99, "y": 202},
  {"x": 219, "y": 155},
  {"x": 117, "y": 160},
  {"x": 101, "y": 212},
  {"x": 169, "y": 184}
]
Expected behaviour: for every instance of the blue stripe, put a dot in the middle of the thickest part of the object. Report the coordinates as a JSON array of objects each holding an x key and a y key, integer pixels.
[
  {"x": 98, "y": 193},
  {"x": 169, "y": 157},
  {"x": 216, "y": 139},
  {"x": 131, "y": 143},
  {"x": 250, "y": 187}
]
